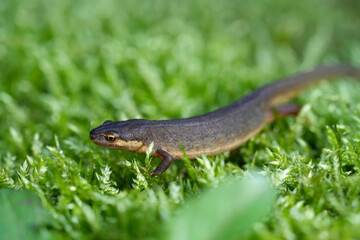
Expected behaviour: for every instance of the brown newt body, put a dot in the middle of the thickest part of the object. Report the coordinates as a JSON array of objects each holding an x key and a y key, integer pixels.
[{"x": 215, "y": 132}]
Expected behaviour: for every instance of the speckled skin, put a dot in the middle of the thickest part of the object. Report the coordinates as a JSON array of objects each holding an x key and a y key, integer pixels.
[
  {"x": 218, "y": 131},
  {"x": 208, "y": 134}
]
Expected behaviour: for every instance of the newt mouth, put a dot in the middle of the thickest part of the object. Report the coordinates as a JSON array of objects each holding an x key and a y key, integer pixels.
[{"x": 92, "y": 135}]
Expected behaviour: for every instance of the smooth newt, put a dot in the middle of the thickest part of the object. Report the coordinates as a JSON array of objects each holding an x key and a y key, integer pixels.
[{"x": 215, "y": 132}]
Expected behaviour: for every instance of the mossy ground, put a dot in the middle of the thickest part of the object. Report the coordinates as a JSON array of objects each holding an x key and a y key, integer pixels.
[{"x": 67, "y": 66}]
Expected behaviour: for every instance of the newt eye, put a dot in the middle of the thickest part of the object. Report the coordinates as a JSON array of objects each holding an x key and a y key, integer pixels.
[{"x": 110, "y": 138}]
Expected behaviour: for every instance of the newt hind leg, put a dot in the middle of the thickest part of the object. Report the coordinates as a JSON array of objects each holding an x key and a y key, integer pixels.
[{"x": 289, "y": 109}]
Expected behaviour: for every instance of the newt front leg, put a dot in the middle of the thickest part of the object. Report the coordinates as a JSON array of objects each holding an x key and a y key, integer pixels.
[{"x": 165, "y": 163}]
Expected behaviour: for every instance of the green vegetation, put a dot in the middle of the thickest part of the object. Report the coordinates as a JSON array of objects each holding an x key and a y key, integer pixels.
[
  {"x": 67, "y": 66},
  {"x": 22, "y": 216}
]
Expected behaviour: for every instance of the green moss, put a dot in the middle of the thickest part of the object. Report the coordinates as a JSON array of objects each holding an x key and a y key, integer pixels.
[{"x": 68, "y": 66}]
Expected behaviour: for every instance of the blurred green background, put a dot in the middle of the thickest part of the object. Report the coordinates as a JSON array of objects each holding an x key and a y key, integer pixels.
[{"x": 67, "y": 66}]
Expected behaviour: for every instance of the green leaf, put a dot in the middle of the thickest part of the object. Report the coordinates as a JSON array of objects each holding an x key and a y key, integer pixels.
[
  {"x": 22, "y": 216},
  {"x": 226, "y": 212}
]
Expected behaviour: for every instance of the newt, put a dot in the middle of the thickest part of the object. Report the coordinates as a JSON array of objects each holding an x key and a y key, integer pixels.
[{"x": 215, "y": 132}]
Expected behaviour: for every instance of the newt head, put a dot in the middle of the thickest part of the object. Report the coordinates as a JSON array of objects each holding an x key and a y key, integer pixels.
[{"x": 125, "y": 135}]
